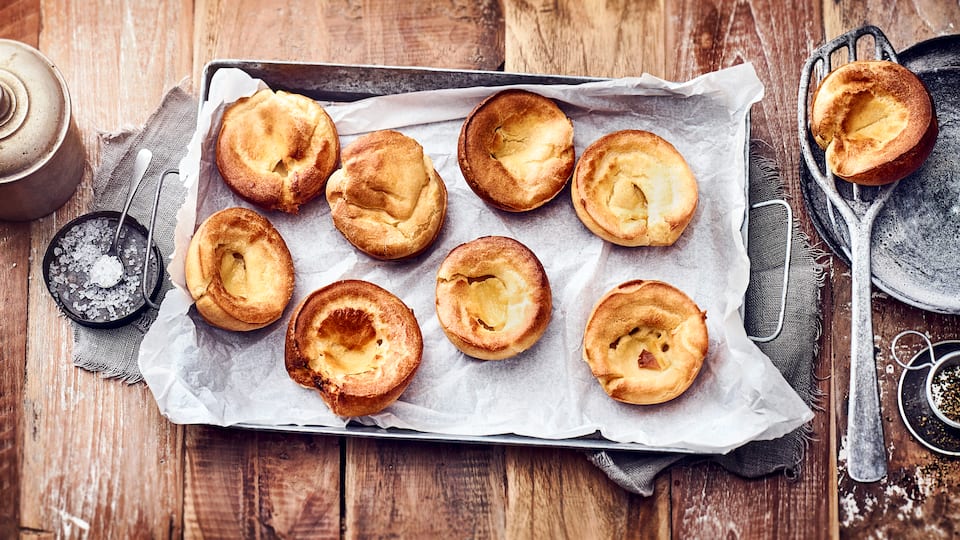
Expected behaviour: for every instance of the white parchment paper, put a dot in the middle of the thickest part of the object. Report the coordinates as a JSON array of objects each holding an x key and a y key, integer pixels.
[{"x": 200, "y": 374}]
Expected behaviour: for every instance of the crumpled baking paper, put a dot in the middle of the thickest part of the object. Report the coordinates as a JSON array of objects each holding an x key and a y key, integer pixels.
[{"x": 201, "y": 374}]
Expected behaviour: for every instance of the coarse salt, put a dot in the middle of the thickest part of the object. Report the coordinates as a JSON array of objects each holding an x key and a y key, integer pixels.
[
  {"x": 106, "y": 272},
  {"x": 91, "y": 284}
]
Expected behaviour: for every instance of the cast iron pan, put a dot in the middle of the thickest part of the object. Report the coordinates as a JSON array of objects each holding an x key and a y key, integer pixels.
[{"x": 916, "y": 237}]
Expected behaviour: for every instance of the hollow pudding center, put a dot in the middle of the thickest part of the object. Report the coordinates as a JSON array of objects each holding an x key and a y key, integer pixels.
[
  {"x": 627, "y": 200},
  {"x": 348, "y": 343},
  {"x": 497, "y": 302},
  {"x": 638, "y": 187},
  {"x": 874, "y": 117},
  {"x": 528, "y": 146},
  {"x": 639, "y": 349},
  {"x": 233, "y": 273},
  {"x": 489, "y": 302}
]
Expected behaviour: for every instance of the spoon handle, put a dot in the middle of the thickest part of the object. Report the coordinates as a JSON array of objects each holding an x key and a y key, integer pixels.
[{"x": 144, "y": 156}]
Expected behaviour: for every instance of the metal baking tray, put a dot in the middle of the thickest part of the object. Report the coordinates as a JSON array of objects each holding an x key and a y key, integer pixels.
[{"x": 326, "y": 82}]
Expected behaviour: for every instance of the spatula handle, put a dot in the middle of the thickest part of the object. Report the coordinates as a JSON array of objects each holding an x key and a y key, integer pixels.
[{"x": 866, "y": 455}]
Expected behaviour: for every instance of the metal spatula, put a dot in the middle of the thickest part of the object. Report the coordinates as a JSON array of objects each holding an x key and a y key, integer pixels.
[{"x": 858, "y": 206}]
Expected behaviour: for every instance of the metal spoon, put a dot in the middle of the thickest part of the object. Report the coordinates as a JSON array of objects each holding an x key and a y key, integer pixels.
[{"x": 107, "y": 271}]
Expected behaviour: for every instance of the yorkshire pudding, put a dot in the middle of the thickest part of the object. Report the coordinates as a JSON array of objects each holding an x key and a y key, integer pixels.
[
  {"x": 355, "y": 343},
  {"x": 276, "y": 150},
  {"x": 239, "y": 270},
  {"x": 633, "y": 188},
  {"x": 516, "y": 150},
  {"x": 875, "y": 120},
  {"x": 493, "y": 298},
  {"x": 645, "y": 342},
  {"x": 387, "y": 199}
]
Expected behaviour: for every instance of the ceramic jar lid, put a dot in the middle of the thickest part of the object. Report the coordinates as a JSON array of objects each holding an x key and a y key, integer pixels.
[
  {"x": 41, "y": 158},
  {"x": 34, "y": 108}
]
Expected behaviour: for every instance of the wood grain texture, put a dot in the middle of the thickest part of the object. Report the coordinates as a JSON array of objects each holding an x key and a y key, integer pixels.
[
  {"x": 559, "y": 494},
  {"x": 18, "y": 21},
  {"x": 242, "y": 484},
  {"x": 449, "y": 33},
  {"x": 14, "y": 249},
  {"x": 100, "y": 458},
  {"x": 429, "y": 490},
  {"x": 919, "y": 484},
  {"x": 585, "y": 38}
]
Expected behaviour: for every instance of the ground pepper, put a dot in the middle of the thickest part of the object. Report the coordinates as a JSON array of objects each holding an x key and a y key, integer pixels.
[{"x": 945, "y": 390}]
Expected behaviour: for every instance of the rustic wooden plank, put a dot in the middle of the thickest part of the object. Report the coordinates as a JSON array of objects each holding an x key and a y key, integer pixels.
[
  {"x": 581, "y": 38},
  {"x": 585, "y": 38},
  {"x": 242, "y": 484},
  {"x": 714, "y": 35},
  {"x": 427, "y": 490},
  {"x": 559, "y": 494},
  {"x": 826, "y": 374},
  {"x": 919, "y": 483},
  {"x": 651, "y": 520},
  {"x": 450, "y": 34},
  {"x": 98, "y": 456},
  {"x": 19, "y": 21},
  {"x": 14, "y": 266}
]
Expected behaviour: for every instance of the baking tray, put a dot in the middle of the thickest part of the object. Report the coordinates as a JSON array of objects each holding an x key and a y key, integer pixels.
[
  {"x": 915, "y": 252},
  {"x": 326, "y": 82}
]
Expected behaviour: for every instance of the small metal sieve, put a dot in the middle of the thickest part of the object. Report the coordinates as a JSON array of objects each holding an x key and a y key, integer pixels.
[
  {"x": 69, "y": 262},
  {"x": 937, "y": 366}
]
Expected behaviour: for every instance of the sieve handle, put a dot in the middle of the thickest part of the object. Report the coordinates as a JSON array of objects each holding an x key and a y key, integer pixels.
[
  {"x": 866, "y": 455},
  {"x": 153, "y": 224}
]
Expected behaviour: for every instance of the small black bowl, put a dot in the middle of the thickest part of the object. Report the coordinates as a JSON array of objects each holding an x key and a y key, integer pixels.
[{"x": 70, "y": 254}]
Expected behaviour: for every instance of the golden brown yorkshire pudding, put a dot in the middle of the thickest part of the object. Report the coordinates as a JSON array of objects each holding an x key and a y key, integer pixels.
[
  {"x": 239, "y": 270},
  {"x": 516, "y": 150},
  {"x": 875, "y": 120},
  {"x": 633, "y": 188},
  {"x": 355, "y": 343},
  {"x": 276, "y": 150},
  {"x": 645, "y": 342},
  {"x": 387, "y": 199},
  {"x": 493, "y": 298}
]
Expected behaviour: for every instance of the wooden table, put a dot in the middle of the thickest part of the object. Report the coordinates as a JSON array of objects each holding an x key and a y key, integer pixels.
[{"x": 81, "y": 456}]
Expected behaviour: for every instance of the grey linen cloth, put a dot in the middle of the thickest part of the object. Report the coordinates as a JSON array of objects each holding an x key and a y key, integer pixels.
[
  {"x": 792, "y": 351},
  {"x": 113, "y": 352},
  {"x": 168, "y": 131}
]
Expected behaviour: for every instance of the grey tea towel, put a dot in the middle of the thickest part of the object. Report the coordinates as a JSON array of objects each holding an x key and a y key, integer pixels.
[{"x": 113, "y": 352}]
